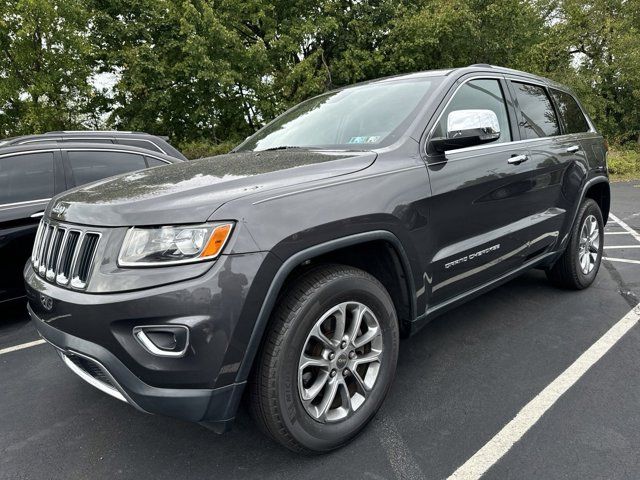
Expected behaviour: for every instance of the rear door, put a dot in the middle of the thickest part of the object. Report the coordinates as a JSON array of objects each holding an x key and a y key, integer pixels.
[
  {"x": 480, "y": 196},
  {"x": 578, "y": 128},
  {"x": 558, "y": 160},
  {"x": 28, "y": 180}
]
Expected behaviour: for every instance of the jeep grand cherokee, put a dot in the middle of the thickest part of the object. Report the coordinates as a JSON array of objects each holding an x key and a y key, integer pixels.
[{"x": 290, "y": 267}]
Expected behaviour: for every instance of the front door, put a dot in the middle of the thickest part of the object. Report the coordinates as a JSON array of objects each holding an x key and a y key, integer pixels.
[{"x": 483, "y": 198}]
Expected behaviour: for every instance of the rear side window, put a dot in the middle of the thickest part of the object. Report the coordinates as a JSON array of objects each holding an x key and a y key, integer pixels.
[
  {"x": 570, "y": 112},
  {"x": 26, "y": 177},
  {"x": 154, "y": 162},
  {"x": 140, "y": 144},
  {"x": 478, "y": 94},
  {"x": 538, "y": 117},
  {"x": 89, "y": 166}
]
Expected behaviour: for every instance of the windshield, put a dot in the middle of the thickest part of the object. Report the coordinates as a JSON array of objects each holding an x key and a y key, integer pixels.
[{"x": 355, "y": 118}]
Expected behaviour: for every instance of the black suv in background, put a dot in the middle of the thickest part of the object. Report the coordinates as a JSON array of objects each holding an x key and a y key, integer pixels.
[
  {"x": 292, "y": 265},
  {"x": 134, "y": 139},
  {"x": 30, "y": 175}
]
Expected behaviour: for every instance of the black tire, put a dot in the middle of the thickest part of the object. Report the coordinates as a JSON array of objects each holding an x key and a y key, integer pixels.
[
  {"x": 275, "y": 402},
  {"x": 567, "y": 272}
]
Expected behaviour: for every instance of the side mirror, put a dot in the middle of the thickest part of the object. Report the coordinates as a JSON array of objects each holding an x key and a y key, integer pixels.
[{"x": 466, "y": 128}]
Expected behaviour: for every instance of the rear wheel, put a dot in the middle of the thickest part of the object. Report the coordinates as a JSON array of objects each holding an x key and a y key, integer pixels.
[
  {"x": 328, "y": 359},
  {"x": 579, "y": 264}
]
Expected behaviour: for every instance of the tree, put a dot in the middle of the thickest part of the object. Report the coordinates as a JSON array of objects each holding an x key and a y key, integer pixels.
[{"x": 45, "y": 63}]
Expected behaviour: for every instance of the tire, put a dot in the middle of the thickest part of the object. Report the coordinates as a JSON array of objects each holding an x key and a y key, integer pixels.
[
  {"x": 277, "y": 384},
  {"x": 568, "y": 272}
]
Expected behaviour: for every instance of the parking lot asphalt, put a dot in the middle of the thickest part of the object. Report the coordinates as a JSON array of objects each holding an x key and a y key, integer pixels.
[{"x": 460, "y": 381}]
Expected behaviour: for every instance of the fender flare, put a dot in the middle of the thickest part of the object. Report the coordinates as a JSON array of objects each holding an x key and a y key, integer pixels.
[
  {"x": 583, "y": 193},
  {"x": 292, "y": 262}
]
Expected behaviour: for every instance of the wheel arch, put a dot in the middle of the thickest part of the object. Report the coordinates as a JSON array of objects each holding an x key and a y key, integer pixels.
[
  {"x": 600, "y": 191},
  {"x": 327, "y": 252}
]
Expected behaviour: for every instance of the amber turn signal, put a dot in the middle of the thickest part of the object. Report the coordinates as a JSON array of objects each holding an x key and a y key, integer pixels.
[{"x": 217, "y": 240}]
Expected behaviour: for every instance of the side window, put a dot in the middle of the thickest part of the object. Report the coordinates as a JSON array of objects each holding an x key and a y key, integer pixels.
[
  {"x": 538, "y": 117},
  {"x": 570, "y": 112},
  {"x": 478, "y": 94},
  {"x": 154, "y": 162},
  {"x": 140, "y": 144},
  {"x": 26, "y": 177},
  {"x": 89, "y": 166}
]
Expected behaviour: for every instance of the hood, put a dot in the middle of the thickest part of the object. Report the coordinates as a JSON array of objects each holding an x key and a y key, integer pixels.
[{"x": 189, "y": 192}]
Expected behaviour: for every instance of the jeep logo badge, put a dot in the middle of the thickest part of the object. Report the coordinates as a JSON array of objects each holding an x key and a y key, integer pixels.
[
  {"x": 60, "y": 209},
  {"x": 46, "y": 301}
]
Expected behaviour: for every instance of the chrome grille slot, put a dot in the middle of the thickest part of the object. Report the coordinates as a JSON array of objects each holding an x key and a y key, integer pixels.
[
  {"x": 56, "y": 242},
  {"x": 64, "y": 254},
  {"x": 36, "y": 244},
  {"x": 44, "y": 250},
  {"x": 66, "y": 257},
  {"x": 83, "y": 263}
]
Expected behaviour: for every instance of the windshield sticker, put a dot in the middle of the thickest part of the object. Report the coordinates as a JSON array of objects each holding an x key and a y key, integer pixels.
[{"x": 367, "y": 139}]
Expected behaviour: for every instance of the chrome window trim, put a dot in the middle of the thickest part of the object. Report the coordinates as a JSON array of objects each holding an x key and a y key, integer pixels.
[
  {"x": 8, "y": 206},
  {"x": 27, "y": 152},
  {"x": 87, "y": 139},
  {"x": 80, "y": 149}
]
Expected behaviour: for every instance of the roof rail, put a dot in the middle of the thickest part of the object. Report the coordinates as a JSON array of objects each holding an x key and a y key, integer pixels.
[{"x": 481, "y": 65}]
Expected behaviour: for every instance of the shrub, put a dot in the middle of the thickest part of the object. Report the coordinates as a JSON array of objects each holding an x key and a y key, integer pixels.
[
  {"x": 204, "y": 148},
  {"x": 624, "y": 162}
]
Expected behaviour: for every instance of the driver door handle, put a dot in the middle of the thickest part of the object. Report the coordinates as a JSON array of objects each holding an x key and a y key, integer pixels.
[
  {"x": 517, "y": 159},
  {"x": 573, "y": 148}
]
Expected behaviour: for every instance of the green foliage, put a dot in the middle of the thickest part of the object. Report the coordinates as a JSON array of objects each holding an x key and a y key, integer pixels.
[
  {"x": 209, "y": 73},
  {"x": 204, "y": 148},
  {"x": 624, "y": 163},
  {"x": 45, "y": 61}
]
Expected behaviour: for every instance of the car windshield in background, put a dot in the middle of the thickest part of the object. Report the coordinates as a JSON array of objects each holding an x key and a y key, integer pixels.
[{"x": 356, "y": 118}]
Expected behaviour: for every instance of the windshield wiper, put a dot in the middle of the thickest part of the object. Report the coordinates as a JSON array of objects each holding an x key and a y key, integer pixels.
[{"x": 282, "y": 147}]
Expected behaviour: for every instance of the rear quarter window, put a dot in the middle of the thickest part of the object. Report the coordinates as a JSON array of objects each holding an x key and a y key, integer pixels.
[{"x": 570, "y": 112}]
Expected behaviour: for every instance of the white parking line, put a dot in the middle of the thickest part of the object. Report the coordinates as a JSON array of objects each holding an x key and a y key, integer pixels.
[
  {"x": 623, "y": 260},
  {"x": 621, "y": 246},
  {"x": 526, "y": 418},
  {"x": 626, "y": 227},
  {"x": 21, "y": 346},
  {"x": 617, "y": 233}
]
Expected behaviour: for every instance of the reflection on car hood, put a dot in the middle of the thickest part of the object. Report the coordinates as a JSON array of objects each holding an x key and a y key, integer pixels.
[{"x": 190, "y": 192}]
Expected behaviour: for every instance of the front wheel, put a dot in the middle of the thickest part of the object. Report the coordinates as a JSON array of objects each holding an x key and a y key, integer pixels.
[
  {"x": 328, "y": 360},
  {"x": 579, "y": 264}
]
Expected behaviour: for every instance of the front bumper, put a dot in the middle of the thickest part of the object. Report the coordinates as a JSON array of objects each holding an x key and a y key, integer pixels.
[
  {"x": 204, "y": 385},
  {"x": 214, "y": 408}
]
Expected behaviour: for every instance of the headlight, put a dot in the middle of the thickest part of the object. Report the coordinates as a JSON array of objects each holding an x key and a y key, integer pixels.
[{"x": 157, "y": 246}]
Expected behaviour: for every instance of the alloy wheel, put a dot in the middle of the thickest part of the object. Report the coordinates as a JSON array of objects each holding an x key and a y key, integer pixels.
[
  {"x": 589, "y": 246},
  {"x": 340, "y": 362}
]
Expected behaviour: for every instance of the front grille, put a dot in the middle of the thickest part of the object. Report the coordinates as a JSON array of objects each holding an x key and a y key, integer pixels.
[{"x": 64, "y": 254}]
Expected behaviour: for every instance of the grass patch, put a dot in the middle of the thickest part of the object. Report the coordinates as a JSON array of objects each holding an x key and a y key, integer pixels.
[{"x": 624, "y": 163}]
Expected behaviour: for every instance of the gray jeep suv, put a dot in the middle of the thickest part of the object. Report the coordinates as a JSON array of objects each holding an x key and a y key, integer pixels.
[{"x": 289, "y": 268}]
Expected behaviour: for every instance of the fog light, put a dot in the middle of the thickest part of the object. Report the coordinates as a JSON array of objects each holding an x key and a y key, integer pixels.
[{"x": 163, "y": 340}]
